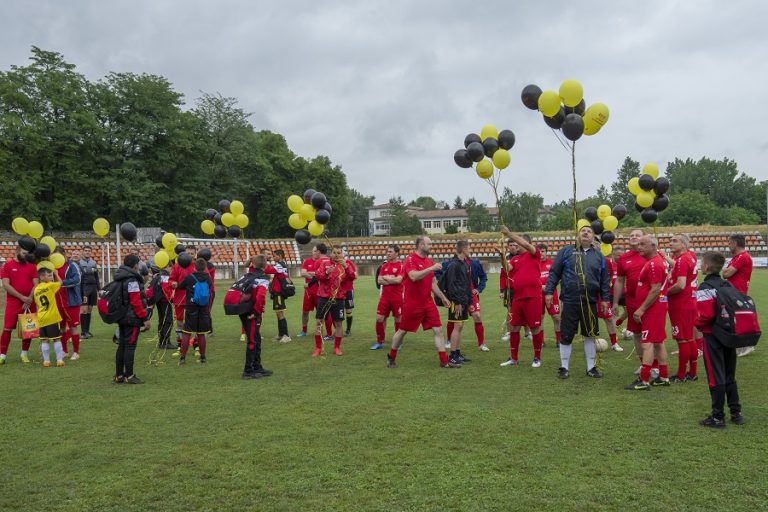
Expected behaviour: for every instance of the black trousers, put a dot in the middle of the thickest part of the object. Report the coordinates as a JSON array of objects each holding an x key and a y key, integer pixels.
[
  {"x": 127, "y": 339},
  {"x": 720, "y": 362},
  {"x": 252, "y": 329},
  {"x": 164, "y": 323}
]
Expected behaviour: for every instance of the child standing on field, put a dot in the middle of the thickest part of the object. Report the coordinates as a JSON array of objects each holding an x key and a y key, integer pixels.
[
  {"x": 197, "y": 315},
  {"x": 48, "y": 315}
]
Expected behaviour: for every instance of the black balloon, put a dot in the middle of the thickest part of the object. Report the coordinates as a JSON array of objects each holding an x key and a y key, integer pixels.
[
  {"x": 461, "y": 157},
  {"x": 649, "y": 215},
  {"x": 184, "y": 259},
  {"x": 597, "y": 226},
  {"x": 318, "y": 200},
  {"x": 302, "y": 236},
  {"x": 220, "y": 231},
  {"x": 180, "y": 248},
  {"x": 31, "y": 258},
  {"x": 556, "y": 121},
  {"x": 224, "y": 206},
  {"x": 42, "y": 251},
  {"x": 607, "y": 237},
  {"x": 322, "y": 216},
  {"x": 217, "y": 218},
  {"x": 27, "y": 243},
  {"x": 490, "y": 145},
  {"x": 472, "y": 137},
  {"x": 327, "y": 207},
  {"x": 128, "y": 231},
  {"x": 530, "y": 96},
  {"x": 590, "y": 214},
  {"x": 506, "y": 139},
  {"x": 619, "y": 211},
  {"x": 639, "y": 208},
  {"x": 308, "y": 195},
  {"x": 234, "y": 231},
  {"x": 573, "y": 127},
  {"x": 476, "y": 151},
  {"x": 661, "y": 186},
  {"x": 159, "y": 241},
  {"x": 205, "y": 253},
  {"x": 660, "y": 203},
  {"x": 210, "y": 213},
  {"x": 578, "y": 109},
  {"x": 646, "y": 182}
]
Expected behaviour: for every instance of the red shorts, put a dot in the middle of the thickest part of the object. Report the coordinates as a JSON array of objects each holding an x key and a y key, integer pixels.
[
  {"x": 426, "y": 316},
  {"x": 70, "y": 316},
  {"x": 681, "y": 319},
  {"x": 475, "y": 306},
  {"x": 654, "y": 324},
  {"x": 526, "y": 311},
  {"x": 13, "y": 309},
  {"x": 178, "y": 311},
  {"x": 632, "y": 326},
  {"x": 387, "y": 305},
  {"x": 310, "y": 300},
  {"x": 553, "y": 309}
]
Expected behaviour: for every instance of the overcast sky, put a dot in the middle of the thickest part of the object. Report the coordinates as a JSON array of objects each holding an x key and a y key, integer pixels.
[{"x": 389, "y": 89}]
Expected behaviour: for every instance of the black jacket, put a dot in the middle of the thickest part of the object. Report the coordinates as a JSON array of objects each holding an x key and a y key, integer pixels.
[
  {"x": 137, "y": 311},
  {"x": 455, "y": 282},
  {"x": 580, "y": 274}
]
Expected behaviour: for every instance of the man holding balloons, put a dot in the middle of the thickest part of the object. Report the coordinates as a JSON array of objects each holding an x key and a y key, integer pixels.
[{"x": 19, "y": 279}]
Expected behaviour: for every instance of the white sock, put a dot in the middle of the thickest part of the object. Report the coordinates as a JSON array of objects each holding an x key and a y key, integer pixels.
[
  {"x": 590, "y": 351},
  {"x": 565, "y": 355},
  {"x": 59, "y": 350},
  {"x": 45, "y": 348},
  {"x": 25, "y": 352}
]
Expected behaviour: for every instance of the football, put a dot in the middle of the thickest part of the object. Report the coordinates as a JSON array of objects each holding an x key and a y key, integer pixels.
[
  {"x": 627, "y": 334},
  {"x": 601, "y": 345}
]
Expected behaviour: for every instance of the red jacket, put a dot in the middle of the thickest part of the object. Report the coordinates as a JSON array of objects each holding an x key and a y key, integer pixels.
[{"x": 331, "y": 276}]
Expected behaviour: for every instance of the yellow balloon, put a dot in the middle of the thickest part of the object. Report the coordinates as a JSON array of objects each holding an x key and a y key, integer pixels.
[
  {"x": 315, "y": 228},
  {"x": 171, "y": 254},
  {"x": 489, "y": 131},
  {"x": 591, "y": 129},
  {"x": 484, "y": 169},
  {"x": 169, "y": 241},
  {"x": 241, "y": 220},
  {"x": 307, "y": 212},
  {"x": 35, "y": 229},
  {"x": 634, "y": 186},
  {"x": 57, "y": 259},
  {"x": 501, "y": 158},
  {"x": 161, "y": 259},
  {"x": 20, "y": 226},
  {"x": 46, "y": 264},
  {"x": 236, "y": 207},
  {"x": 227, "y": 219},
  {"x": 50, "y": 242},
  {"x": 571, "y": 92},
  {"x": 603, "y": 211},
  {"x": 582, "y": 223},
  {"x": 645, "y": 198},
  {"x": 295, "y": 203},
  {"x": 207, "y": 227},
  {"x": 610, "y": 223},
  {"x": 596, "y": 115},
  {"x": 651, "y": 169},
  {"x": 296, "y": 221},
  {"x": 606, "y": 249},
  {"x": 549, "y": 103},
  {"x": 101, "y": 226}
]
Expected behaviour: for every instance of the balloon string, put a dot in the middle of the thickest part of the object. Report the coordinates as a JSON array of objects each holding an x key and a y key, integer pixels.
[{"x": 565, "y": 145}]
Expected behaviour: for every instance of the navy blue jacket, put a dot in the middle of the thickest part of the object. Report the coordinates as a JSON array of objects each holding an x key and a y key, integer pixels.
[
  {"x": 580, "y": 274},
  {"x": 479, "y": 277},
  {"x": 71, "y": 283}
]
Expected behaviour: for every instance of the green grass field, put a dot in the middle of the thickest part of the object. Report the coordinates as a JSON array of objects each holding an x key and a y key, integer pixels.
[{"x": 346, "y": 433}]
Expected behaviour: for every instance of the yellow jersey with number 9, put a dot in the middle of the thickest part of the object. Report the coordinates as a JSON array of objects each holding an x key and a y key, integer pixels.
[{"x": 45, "y": 300}]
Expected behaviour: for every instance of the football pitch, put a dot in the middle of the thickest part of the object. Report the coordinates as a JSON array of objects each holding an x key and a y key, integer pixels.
[{"x": 347, "y": 433}]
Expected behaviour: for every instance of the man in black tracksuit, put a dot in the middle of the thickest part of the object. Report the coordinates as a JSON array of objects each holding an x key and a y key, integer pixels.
[
  {"x": 583, "y": 276},
  {"x": 90, "y": 286},
  {"x": 458, "y": 288},
  {"x": 135, "y": 320}
]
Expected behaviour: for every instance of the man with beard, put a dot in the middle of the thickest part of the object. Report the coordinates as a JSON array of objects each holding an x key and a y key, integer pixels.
[{"x": 19, "y": 280}]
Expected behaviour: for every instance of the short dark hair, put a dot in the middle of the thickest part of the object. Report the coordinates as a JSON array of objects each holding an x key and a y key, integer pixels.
[
  {"x": 264, "y": 250},
  {"x": 715, "y": 261},
  {"x": 527, "y": 238},
  {"x": 321, "y": 248},
  {"x": 86, "y": 246},
  {"x": 131, "y": 260},
  {"x": 461, "y": 245},
  {"x": 59, "y": 249},
  {"x": 542, "y": 247},
  {"x": 395, "y": 248},
  {"x": 44, "y": 270},
  {"x": 419, "y": 239},
  {"x": 259, "y": 261},
  {"x": 739, "y": 240},
  {"x": 201, "y": 265},
  {"x": 279, "y": 252},
  {"x": 188, "y": 247}
]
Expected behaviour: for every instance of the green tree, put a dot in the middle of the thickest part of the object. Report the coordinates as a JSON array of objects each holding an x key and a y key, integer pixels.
[
  {"x": 451, "y": 229},
  {"x": 478, "y": 218},
  {"x": 426, "y": 202},
  {"x": 400, "y": 221},
  {"x": 520, "y": 211},
  {"x": 359, "y": 205},
  {"x": 457, "y": 203}
]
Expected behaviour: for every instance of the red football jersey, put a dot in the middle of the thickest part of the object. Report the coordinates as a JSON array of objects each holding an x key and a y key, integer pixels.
[
  {"x": 392, "y": 269},
  {"x": 20, "y": 276},
  {"x": 331, "y": 283},
  {"x": 525, "y": 275},
  {"x": 653, "y": 272},
  {"x": 310, "y": 265},
  {"x": 685, "y": 266},
  {"x": 348, "y": 284},
  {"x": 629, "y": 267},
  {"x": 742, "y": 262},
  {"x": 178, "y": 275},
  {"x": 417, "y": 294}
]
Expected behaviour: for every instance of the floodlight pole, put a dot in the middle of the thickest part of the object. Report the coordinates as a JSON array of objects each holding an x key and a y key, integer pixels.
[{"x": 119, "y": 252}]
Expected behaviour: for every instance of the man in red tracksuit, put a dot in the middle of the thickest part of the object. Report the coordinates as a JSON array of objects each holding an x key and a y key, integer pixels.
[
  {"x": 251, "y": 321},
  {"x": 331, "y": 275},
  {"x": 135, "y": 320}
]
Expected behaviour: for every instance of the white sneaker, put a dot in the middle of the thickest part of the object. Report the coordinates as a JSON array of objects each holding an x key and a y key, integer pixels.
[
  {"x": 505, "y": 337},
  {"x": 484, "y": 348},
  {"x": 285, "y": 339},
  {"x": 242, "y": 338},
  {"x": 627, "y": 334},
  {"x": 617, "y": 348},
  {"x": 637, "y": 372},
  {"x": 744, "y": 351},
  {"x": 529, "y": 336},
  {"x": 276, "y": 338},
  {"x": 75, "y": 356},
  {"x": 654, "y": 373},
  {"x": 509, "y": 362},
  {"x": 448, "y": 345},
  {"x": 536, "y": 363}
]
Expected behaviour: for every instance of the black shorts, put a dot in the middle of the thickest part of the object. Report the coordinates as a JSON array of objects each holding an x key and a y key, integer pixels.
[
  {"x": 50, "y": 332},
  {"x": 349, "y": 301},
  {"x": 453, "y": 317},
  {"x": 91, "y": 295},
  {"x": 575, "y": 316},
  {"x": 334, "y": 307},
  {"x": 278, "y": 302}
]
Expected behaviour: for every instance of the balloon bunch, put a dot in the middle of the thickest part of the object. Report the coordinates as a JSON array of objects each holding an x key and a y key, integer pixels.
[
  {"x": 603, "y": 220},
  {"x": 230, "y": 219},
  {"x": 23, "y": 227},
  {"x": 566, "y": 110},
  {"x": 650, "y": 193},
  {"x": 312, "y": 212},
  {"x": 170, "y": 250},
  {"x": 39, "y": 248},
  {"x": 491, "y": 143}
]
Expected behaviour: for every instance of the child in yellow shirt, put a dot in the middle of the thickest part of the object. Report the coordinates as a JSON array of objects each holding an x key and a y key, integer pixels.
[{"x": 48, "y": 315}]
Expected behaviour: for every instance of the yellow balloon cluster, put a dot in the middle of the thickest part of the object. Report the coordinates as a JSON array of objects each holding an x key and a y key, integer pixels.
[
  {"x": 22, "y": 227},
  {"x": 230, "y": 215},
  {"x": 309, "y": 214}
]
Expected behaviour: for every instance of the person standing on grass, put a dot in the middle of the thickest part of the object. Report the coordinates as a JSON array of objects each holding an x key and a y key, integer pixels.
[
  {"x": 682, "y": 306},
  {"x": 48, "y": 315},
  {"x": 349, "y": 297},
  {"x": 319, "y": 252},
  {"x": 136, "y": 319},
  {"x": 738, "y": 273},
  {"x": 608, "y": 315},
  {"x": 581, "y": 271},
  {"x": 197, "y": 315},
  {"x": 554, "y": 309},
  {"x": 19, "y": 279},
  {"x": 179, "y": 298},
  {"x": 251, "y": 320},
  {"x": 390, "y": 278},
  {"x": 331, "y": 275},
  {"x": 524, "y": 271},
  {"x": 69, "y": 301},
  {"x": 456, "y": 283},
  {"x": 89, "y": 272},
  {"x": 280, "y": 268},
  {"x": 419, "y": 308},
  {"x": 651, "y": 314}
]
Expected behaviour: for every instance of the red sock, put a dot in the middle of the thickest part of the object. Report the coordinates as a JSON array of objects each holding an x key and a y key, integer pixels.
[
  {"x": 5, "y": 341},
  {"x": 613, "y": 338},
  {"x": 682, "y": 358},
  {"x": 450, "y": 330},
  {"x": 64, "y": 337},
  {"x": 693, "y": 358},
  {"x": 184, "y": 343},
  {"x": 25, "y": 344},
  {"x": 443, "y": 358},
  {"x": 64, "y": 346},
  {"x": 538, "y": 342},
  {"x": 201, "y": 343},
  {"x": 380, "y": 332},
  {"x": 480, "y": 332},
  {"x": 664, "y": 371},
  {"x": 76, "y": 343},
  {"x": 337, "y": 343},
  {"x": 319, "y": 341},
  {"x": 645, "y": 373},
  {"x": 392, "y": 354},
  {"x": 699, "y": 345},
  {"x": 304, "y": 328},
  {"x": 328, "y": 325},
  {"x": 514, "y": 344},
  {"x": 655, "y": 364},
  {"x": 557, "y": 336},
  {"x": 619, "y": 321}
]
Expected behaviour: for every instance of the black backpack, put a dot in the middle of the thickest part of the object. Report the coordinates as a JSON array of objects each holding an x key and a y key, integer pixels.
[
  {"x": 239, "y": 298},
  {"x": 113, "y": 303},
  {"x": 735, "y": 323},
  {"x": 154, "y": 290}
]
